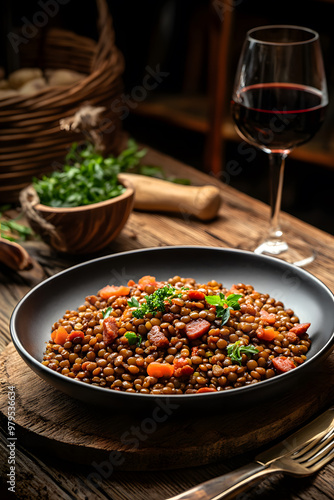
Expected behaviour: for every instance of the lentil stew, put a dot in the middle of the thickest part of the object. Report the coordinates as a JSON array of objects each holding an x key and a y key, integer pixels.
[{"x": 176, "y": 337}]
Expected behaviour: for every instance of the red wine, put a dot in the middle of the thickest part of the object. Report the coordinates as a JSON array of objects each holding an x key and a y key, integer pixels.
[{"x": 277, "y": 116}]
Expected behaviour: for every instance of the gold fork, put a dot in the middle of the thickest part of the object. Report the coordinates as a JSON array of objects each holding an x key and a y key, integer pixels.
[{"x": 301, "y": 454}]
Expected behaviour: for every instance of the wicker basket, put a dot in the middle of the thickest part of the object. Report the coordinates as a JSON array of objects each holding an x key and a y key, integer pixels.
[{"x": 30, "y": 138}]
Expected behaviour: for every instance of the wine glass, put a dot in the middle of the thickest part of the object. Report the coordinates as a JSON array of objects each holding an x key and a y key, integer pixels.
[{"x": 279, "y": 102}]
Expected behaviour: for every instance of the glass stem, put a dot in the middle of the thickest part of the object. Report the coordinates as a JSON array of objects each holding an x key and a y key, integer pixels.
[{"x": 277, "y": 163}]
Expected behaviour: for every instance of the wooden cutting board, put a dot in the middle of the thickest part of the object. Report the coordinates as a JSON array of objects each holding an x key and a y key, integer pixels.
[{"x": 51, "y": 421}]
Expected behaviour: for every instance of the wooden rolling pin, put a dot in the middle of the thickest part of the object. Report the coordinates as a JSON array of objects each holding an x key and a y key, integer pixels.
[{"x": 163, "y": 196}]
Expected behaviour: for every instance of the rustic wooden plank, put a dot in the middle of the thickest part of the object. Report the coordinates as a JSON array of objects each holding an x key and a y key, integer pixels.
[
  {"x": 53, "y": 423},
  {"x": 239, "y": 219},
  {"x": 45, "y": 477}
]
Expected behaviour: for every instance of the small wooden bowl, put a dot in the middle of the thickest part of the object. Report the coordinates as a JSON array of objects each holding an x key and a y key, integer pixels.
[{"x": 79, "y": 230}]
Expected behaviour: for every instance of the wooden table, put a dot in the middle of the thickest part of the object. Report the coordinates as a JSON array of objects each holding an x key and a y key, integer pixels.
[{"x": 45, "y": 476}]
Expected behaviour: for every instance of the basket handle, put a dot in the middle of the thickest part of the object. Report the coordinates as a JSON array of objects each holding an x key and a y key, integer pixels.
[{"x": 106, "y": 43}]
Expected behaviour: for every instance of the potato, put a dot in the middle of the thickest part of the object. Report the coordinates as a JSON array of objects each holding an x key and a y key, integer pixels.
[
  {"x": 23, "y": 75},
  {"x": 33, "y": 86},
  {"x": 63, "y": 76}
]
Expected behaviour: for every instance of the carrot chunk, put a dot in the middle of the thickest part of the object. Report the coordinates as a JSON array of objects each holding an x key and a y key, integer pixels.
[
  {"x": 206, "y": 389},
  {"x": 283, "y": 364},
  {"x": 268, "y": 318},
  {"x": 74, "y": 334},
  {"x": 159, "y": 370},
  {"x": 197, "y": 328},
  {"x": 110, "y": 290},
  {"x": 196, "y": 295},
  {"x": 123, "y": 290},
  {"x": 59, "y": 336},
  {"x": 300, "y": 328},
  {"x": 146, "y": 280},
  {"x": 268, "y": 333}
]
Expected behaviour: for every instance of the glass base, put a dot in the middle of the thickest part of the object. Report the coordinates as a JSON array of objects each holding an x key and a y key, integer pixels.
[{"x": 298, "y": 254}]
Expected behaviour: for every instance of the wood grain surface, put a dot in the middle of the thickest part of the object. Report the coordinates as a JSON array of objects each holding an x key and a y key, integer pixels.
[
  {"x": 42, "y": 474},
  {"x": 148, "y": 441}
]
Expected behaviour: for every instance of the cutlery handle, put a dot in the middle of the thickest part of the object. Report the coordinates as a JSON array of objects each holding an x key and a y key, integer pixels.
[
  {"x": 226, "y": 485},
  {"x": 159, "y": 195}
]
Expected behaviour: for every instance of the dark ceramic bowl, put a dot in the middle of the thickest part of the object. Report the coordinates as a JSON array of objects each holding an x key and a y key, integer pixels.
[{"x": 299, "y": 290}]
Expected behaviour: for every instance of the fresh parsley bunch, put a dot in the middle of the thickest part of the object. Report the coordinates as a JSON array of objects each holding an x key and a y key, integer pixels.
[
  {"x": 224, "y": 305},
  {"x": 87, "y": 177}
]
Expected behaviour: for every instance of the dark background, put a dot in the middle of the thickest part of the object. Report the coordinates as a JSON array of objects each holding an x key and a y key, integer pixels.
[{"x": 165, "y": 32}]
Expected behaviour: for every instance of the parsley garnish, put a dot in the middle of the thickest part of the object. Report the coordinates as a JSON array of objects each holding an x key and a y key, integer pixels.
[
  {"x": 107, "y": 312},
  {"x": 133, "y": 302},
  {"x": 156, "y": 301},
  {"x": 133, "y": 338},
  {"x": 235, "y": 351},
  {"x": 12, "y": 230},
  {"x": 223, "y": 306}
]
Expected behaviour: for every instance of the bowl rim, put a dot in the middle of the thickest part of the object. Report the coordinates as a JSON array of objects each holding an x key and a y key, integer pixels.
[
  {"x": 271, "y": 383},
  {"x": 128, "y": 193}
]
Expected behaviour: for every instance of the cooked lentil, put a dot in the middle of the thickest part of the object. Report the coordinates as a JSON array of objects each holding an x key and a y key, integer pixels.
[{"x": 100, "y": 351}]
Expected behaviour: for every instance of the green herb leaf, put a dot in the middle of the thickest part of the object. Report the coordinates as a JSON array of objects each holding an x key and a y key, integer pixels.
[
  {"x": 140, "y": 312},
  {"x": 215, "y": 300},
  {"x": 232, "y": 301},
  {"x": 151, "y": 171},
  {"x": 133, "y": 338},
  {"x": 133, "y": 302},
  {"x": 156, "y": 301},
  {"x": 179, "y": 180},
  {"x": 19, "y": 228},
  {"x": 107, "y": 312},
  {"x": 235, "y": 351},
  {"x": 12, "y": 230},
  {"x": 224, "y": 314},
  {"x": 223, "y": 306},
  {"x": 4, "y": 208}
]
